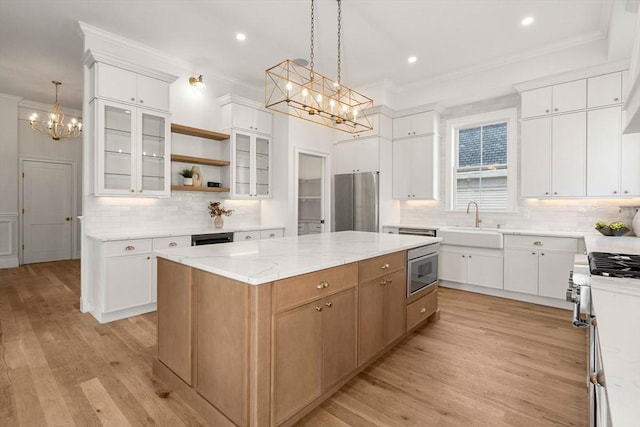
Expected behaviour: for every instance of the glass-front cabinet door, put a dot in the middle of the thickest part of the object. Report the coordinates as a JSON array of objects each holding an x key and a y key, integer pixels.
[
  {"x": 262, "y": 172},
  {"x": 251, "y": 166},
  {"x": 133, "y": 151},
  {"x": 116, "y": 144},
  {"x": 153, "y": 154}
]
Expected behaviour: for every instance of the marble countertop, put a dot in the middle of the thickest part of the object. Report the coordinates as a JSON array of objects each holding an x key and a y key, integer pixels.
[
  {"x": 616, "y": 303},
  {"x": 263, "y": 261},
  {"x": 177, "y": 231},
  {"x": 516, "y": 231}
]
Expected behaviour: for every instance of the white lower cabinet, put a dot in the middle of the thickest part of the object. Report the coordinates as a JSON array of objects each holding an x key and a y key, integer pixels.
[
  {"x": 272, "y": 233},
  {"x": 127, "y": 274},
  {"x": 538, "y": 265},
  {"x": 474, "y": 266}
]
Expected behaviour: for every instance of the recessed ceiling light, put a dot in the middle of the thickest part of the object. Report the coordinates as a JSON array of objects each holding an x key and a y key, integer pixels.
[
  {"x": 241, "y": 36},
  {"x": 412, "y": 59},
  {"x": 527, "y": 21}
]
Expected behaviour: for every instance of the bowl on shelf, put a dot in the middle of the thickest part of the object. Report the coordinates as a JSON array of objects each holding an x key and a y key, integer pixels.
[{"x": 611, "y": 232}]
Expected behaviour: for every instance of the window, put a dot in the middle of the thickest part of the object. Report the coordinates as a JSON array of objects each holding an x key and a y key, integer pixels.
[{"x": 482, "y": 161}]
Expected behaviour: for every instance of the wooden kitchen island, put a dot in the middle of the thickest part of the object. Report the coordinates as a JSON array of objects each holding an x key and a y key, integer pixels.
[{"x": 260, "y": 333}]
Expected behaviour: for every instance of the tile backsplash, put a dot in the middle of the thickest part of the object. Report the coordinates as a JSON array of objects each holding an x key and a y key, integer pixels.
[
  {"x": 557, "y": 215},
  {"x": 183, "y": 209}
]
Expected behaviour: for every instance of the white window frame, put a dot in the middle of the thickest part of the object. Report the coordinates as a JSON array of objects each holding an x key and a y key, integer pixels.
[{"x": 509, "y": 115}]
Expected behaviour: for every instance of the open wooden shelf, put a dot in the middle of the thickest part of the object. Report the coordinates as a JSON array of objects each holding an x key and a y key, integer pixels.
[
  {"x": 199, "y": 160},
  {"x": 205, "y": 189},
  {"x": 200, "y": 133}
]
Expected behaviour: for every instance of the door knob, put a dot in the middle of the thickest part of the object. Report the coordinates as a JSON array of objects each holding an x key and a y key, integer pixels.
[{"x": 68, "y": 219}]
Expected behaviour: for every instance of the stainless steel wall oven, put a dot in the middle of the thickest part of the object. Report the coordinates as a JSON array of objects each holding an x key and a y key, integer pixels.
[{"x": 422, "y": 268}]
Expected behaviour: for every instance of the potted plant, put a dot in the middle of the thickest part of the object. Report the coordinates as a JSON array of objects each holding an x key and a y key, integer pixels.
[
  {"x": 614, "y": 229},
  {"x": 216, "y": 211},
  {"x": 187, "y": 175}
]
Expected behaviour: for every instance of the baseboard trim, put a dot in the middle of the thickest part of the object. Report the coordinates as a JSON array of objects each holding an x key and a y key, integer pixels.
[
  {"x": 9, "y": 262},
  {"x": 123, "y": 314}
]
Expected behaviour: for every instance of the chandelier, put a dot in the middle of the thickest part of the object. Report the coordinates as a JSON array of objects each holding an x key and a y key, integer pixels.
[
  {"x": 294, "y": 89},
  {"x": 54, "y": 126}
]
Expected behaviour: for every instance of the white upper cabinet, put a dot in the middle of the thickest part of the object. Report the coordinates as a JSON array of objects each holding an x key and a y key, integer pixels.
[
  {"x": 562, "y": 98},
  {"x": 568, "y": 155},
  {"x": 359, "y": 155},
  {"x": 415, "y": 168},
  {"x": 249, "y": 175},
  {"x": 604, "y": 90},
  {"x": 240, "y": 116},
  {"x": 127, "y": 86},
  {"x": 535, "y": 152},
  {"x": 415, "y": 124},
  {"x": 382, "y": 127},
  {"x": 603, "y": 152}
]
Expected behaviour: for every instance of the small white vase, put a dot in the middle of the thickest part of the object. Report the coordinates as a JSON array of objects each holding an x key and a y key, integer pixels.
[
  {"x": 188, "y": 181},
  {"x": 636, "y": 223}
]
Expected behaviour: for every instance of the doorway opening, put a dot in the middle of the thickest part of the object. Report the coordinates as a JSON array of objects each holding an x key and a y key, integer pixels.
[{"x": 311, "y": 193}]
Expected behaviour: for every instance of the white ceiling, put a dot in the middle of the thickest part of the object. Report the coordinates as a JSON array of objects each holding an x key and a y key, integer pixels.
[{"x": 40, "y": 40}]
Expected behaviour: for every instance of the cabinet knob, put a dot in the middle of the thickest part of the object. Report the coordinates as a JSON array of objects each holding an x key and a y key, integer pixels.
[
  {"x": 413, "y": 195},
  {"x": 272, "y": 235},
  {"x": 322, "y": 285},
  {"x": 133, "y": 191},
  {"x": 615, "y": 192},
  {"x": 626, "y": 192},
  {"x": 328, "y": 304},
  {"x": 318, "y": 308},
  {"x": 67, "y": 219},
  {"x": 597, "y": 378},
  {"x": 469, "y": 256},
  {"x": 423, "y": 310},
  {"x": 408, "y": 133},
  {"x": 546, "y": 193},
  {"x": 141, "y": 101},
  {"x": 133, "y": 99},
  {"x": 616, "y": 99},
  {"x": 384, "y": 266},
  {"x": 555, "y": 109},
  {"x": 555, "y": 192},
  {"x": 247, "y": 237},
  {"x": 533, "y": 253},
  {"x": 464, "y": 256},
  {"x": 546, "y": 111},
  {"x": 148, "y": 257},
  {"x": 542, "y": 253},
  {"x": 129, "y": 248},
  {"x": 384, "y": 282},
  {"x": 141, "y": 190},
  {"x": 173, "y": 244},
  {"x": 537, "y": 243},
  {"x": 389, "y": 280}
]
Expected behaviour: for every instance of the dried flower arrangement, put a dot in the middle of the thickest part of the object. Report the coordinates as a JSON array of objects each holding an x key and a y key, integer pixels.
[{"x": 216, "y": 209}]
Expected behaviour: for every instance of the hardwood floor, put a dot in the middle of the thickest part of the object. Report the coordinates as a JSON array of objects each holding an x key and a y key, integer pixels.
[{"x": 487, "y": 362}]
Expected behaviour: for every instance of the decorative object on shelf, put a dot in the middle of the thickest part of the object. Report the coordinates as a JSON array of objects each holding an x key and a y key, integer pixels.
[
  {"x": 54, "y": 127},
  {"x": 197, "y": 84},
  {"x": 187, "y": 174},
  {"x": 614, "y": 229},
  {"x": 213, "y": 184},
  {"x": 292, "y": 88},
  {"x": 197, "y": 176},
  {"x": 635, "y": 224},
  {"x": 216, "y": 211}
]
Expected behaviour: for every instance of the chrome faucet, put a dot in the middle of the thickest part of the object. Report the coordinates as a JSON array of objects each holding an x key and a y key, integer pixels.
[{"x": 478, "y": 220}]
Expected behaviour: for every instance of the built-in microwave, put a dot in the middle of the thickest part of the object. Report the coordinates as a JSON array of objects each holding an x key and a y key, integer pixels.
[{"x": 422, "y": 268}]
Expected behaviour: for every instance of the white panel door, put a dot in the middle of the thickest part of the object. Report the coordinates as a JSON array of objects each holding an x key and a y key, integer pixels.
[
  {"x": 568, "y": 171},
  {"x": 401, "y": 170},
  {"x": 367, "y": 155},
  {"x": 47, "y": 220},
  {"x": 604, "y": 90},
  {"x": 452, "y": 266},
  {"x": 629, "y": 170},
  {"x": 535, "y": 158},
  {"x": 346, "y": 157},
  {"x": 423, "y": 162},
  {"x": 485, "y": 270},
  {"x": 554, "y": 270},
  {"x": 603, "y": 152},
  {"x": 570, "y": 96},
  {"x": 152, "y": 93},
  {"x": 536, "y": 102},
  {"x": 521, "y": 271},
  {"x": 128, "y": 281}
]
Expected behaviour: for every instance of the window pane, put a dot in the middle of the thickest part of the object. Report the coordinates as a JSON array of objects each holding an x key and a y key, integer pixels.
[
  {"x": 469, "y": 146},
  {"x": 494, "y": 144}
]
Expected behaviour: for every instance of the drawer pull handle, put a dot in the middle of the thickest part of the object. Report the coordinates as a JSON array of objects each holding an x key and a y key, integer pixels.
[
  {"x": 247, "y": 237},
  {"x": 322, "y": 285},
  {"x": 173, "y": 244},
  {"x": 389, "y": 280},
  {"x": 328, "y": 304},
  {"x": 129, "y": 248},
  {"x": 272, "y": 235},
  {"x": 537, "y": 243},
  {"x": 385, "y": 266},
  {"x": 423, "y": 310},
  {"x": 318, "y": 308},
  {"x": 384, "y": 282}
]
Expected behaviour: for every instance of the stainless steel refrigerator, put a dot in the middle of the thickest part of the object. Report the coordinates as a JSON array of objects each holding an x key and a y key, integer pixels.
[{"x": 355, "y": 201}]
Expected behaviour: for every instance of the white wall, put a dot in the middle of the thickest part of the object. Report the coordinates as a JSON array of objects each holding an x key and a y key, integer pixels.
[{"x": 9, "y": 181}]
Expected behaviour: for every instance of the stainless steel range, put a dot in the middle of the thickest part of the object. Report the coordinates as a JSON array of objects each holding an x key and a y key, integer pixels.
[{"x": 584, "y": 316}]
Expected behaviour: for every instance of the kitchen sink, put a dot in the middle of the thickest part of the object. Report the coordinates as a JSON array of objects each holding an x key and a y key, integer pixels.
[{"x": 470, "y": 236}]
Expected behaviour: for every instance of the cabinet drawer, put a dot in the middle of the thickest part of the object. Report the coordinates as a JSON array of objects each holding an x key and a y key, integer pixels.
[
  {"x": 270, "y": 234},
  {"x": 382, "y": 265},
  {"x": 568, "y": 244},
  {"x": 421, "y": 309},
  {"x": 171, "y": 242},
  {"x": 308, "y": 287},
  {"x": 127, "y": 247},
  {"x": 246, "y": 235}
]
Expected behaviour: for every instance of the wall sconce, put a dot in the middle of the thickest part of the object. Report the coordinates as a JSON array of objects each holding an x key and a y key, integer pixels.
[{"x": 197, "y": 84}]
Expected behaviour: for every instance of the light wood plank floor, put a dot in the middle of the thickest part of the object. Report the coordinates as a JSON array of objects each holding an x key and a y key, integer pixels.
[{"x": 487, "y": 362}]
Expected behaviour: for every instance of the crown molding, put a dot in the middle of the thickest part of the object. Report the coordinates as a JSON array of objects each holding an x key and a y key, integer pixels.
[
  {"x": 10, "y": 97},
  {"x": 92, "y": 56},
  {"x": 230, "y": 98},
  {"x": 582, "y": 73},
  {"x": 507, "y": 60}
]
